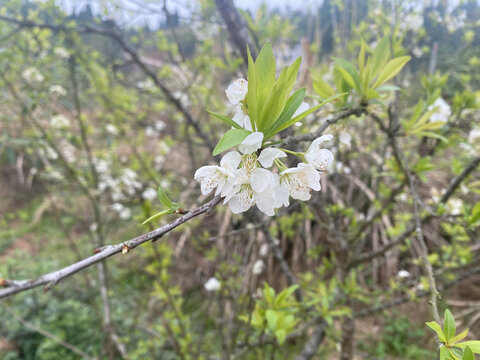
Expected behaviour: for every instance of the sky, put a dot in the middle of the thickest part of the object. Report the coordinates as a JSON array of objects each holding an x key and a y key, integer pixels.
[{"x": 141, "y": 12}]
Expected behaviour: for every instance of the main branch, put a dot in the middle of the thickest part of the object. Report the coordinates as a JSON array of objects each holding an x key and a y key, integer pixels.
[{"x": 50, "y": 279}]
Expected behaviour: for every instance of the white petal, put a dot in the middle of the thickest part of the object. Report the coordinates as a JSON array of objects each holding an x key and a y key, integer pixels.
[
  {"x": 310, "y": 176},
  {"x": 281, "y": 196},
  {"x": 231, "y": 160},
  {"x": 210, "y": 182},
  {"x": 236, "y": 91},
  {"x": 301, "y": 109},
  {"x": 242, "y": 119},
  {"x": 266, "y": 202},
  {"x": 241, "y": 202},
  {"x": 268, "y": 155},
  {"x": 260, "y": 179},
  {"x": 316, "y": 143},
  {"x": 252, "y": 143},
  {"x": 324, "y": 159},
  {"x": 204, "y": 171}
]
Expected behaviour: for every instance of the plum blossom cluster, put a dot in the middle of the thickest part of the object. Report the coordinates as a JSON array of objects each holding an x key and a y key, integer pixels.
[
  {"x": 245, "y": 178},
  {"x": 248, "y": 177}
]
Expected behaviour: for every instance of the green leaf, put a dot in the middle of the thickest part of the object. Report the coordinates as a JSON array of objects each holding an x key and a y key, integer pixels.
[
  {"x": 272, "y": 318},
  {"x": 473, "y": 345},
  {"x": 162, "y": 196},
  {"x": 475, "y": 216},
  {"x": 291, "y": 106},
  {"x": 225, "y": 119},
  {"x": 305, "y": 114},
  {"x": 280, "y": 335},
  {"x": 449, "y": 327},
  {"x": 230, "y": 139},
  {"x": 468, "y": 354},
  {"x": 380, "y": 56},
  {"x": 265, "y": 69},
  {"x": 392, "y": 68},
  {"x": 158, "y": 215},
  {"x": 321, "y": 87},
  {"x": 252, "y": 89},
  {"x": 278, "y": 96},
  {"x": 352, "y": 71},
  {"x": 459, "y": 337},
  {"x": 436, "y": 327}
]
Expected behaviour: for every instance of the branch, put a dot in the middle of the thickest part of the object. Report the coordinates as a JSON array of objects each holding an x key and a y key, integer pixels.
[
  {"x": 236, "y": 27},
  {"x": 290, "y": 140},
  {"x": 451, "y": 189},
  {"x": 51, "y": 279}
]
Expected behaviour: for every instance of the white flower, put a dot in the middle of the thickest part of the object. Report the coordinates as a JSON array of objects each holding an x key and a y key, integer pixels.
[
  {"x": 57, "y": 90},
  {"x": 454, "y": 206},
  {"x": 268, "y": 155},
  {"x": 442, "y": 111},
  {"x": 417, "y": 52},
  {"x": 125, "y": 213},
  {"x": 60, "y": 121},
  {"x": 117, "y": 207},
  {"x": 236, "y": 91},
  {"x": 252, "y": 143},
  {"x": 253, "y": 185},
  {"x": 61, "y": 52},
  {"x": 345, "y": 139},
  {"x": 146, "y": 84},
  {"x": 258, "y": 267},
  {"x": 150, "y": 131},
  {"x": 319, "y": 158},
  {"x": 93, "y": 227},
  {"x": 403, "y": 274},
  {"x": 474, "y": 136},
  {"x": 149, "y": 194},
  {"x": 298, "y": 181},
  {"x": 263, "y": 250},
  {"x": 212, "y": 284},
  {"x": 32, "y": 75},
  {"x": 111, "y": 129},
  {"x": 220, "y": 177},
  {"x": 159, "y": 125},
  {"x": 242, "y": 119}
]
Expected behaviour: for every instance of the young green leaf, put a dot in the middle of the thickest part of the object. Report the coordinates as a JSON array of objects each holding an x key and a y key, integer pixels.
[
  {"x": 473, "y": 345},
  {"x": 468, "y": 354},
  {"x": 436, "y": 327},
  {"x": 305, "y": 114},
  {"x": 225, "y": 119},
  {"x": 162, "y": 196},
  {"x": 291, "y": 106},
  {"x": 380, "y": 56},
  {"x": 321, "y": 87},
  {"x": 265, "y": 69},
  {"x": 392, "y": 68},
  {"x": 157, "y": 215},
  {"x": 252, "y": 103},
  {"x": 459, "y": 337},
  {"x": 230, "y": 139},
  {"x": 449, "y": 327}
]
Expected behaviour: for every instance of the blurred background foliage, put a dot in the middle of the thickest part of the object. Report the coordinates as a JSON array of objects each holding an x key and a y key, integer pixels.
[{"x": 87, "y": 135}]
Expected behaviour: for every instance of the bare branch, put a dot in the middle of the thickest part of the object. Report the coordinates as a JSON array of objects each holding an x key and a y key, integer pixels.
[{"x": 51, "y": 279}]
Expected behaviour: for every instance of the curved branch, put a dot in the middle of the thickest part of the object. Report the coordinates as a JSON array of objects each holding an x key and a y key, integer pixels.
[{"x": 51, "y": 279}]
